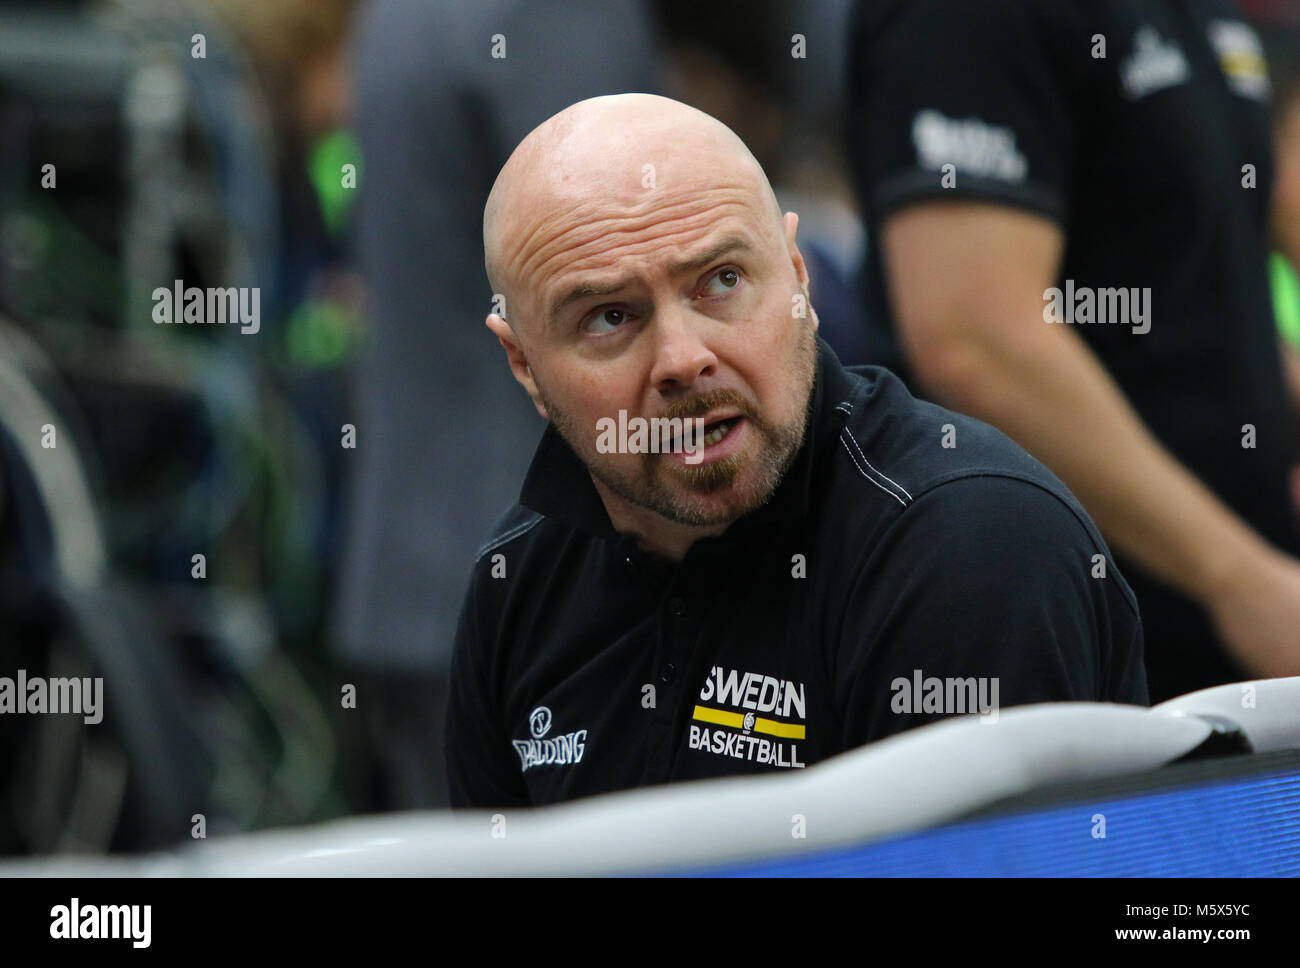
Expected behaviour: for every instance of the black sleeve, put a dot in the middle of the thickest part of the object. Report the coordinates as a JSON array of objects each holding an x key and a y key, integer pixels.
[
  {"x": 482, "y": 771},
  {"x": 982, "y": 85},
  {"x": 990, "y": 578}
]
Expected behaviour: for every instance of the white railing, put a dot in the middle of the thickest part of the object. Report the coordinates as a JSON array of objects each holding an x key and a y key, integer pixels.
[{"x": 909, "y": 782}]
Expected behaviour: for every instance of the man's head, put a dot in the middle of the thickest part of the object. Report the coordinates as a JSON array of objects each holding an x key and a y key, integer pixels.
[{"x": 646, "y": 268}]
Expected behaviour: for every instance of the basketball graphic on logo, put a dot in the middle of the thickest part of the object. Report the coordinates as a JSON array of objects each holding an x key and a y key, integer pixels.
[
  {"x": 749, "y": 722},
  {"x": 539, "y": 722}
]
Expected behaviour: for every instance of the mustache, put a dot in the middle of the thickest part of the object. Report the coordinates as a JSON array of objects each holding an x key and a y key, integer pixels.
[{"x": 701, "y": 405}]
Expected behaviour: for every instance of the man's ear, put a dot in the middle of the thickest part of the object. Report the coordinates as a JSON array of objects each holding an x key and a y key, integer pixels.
[
  {"x": 518, "y": 362},
  {"x": 791, "y": 222},
  {"x": 796, "y": 257}
]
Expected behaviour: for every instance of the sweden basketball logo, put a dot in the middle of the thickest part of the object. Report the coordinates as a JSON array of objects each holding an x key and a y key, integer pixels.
[{"x": 732, "y": 700}]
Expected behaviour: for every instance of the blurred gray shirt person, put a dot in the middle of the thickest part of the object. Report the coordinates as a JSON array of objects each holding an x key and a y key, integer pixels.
[{"x": 444, "y": 434}]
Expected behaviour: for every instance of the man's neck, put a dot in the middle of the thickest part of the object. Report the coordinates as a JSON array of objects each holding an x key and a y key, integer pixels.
[{"x": 654, "y": 533}]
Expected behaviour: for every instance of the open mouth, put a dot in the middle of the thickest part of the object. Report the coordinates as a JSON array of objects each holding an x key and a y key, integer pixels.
[{"x": 716, "y": 431}]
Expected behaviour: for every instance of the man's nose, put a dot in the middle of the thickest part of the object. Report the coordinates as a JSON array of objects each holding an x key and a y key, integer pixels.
[{"x": 681, "y": 354}]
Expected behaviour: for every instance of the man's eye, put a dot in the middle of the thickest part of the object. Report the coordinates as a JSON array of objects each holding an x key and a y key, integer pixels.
[
  {"x": 605, "y": 320},
  {"x": 722, "y": 282}
]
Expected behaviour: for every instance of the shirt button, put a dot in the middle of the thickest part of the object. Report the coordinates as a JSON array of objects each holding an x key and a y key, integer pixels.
[
  {"x": 669, "y": 673},
  {"x": 676, "y": 605}
]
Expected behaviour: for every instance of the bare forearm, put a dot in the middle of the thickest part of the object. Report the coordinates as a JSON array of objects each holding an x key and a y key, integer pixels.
[{"x": 1051, "y": 394}]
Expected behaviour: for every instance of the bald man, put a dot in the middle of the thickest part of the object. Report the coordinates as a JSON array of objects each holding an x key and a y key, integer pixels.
[{"x": 731, "y": 554}]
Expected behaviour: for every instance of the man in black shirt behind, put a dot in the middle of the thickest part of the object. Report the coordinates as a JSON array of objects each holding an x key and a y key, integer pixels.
[
  {"x": 830, "y": 562},
  {"x": 1068, "y": 213}
]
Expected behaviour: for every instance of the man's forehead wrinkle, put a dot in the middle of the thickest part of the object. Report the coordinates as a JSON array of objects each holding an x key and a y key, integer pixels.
[
  {"x": 629, "y": 214},
  {"x": 666, "y": 247},
  {"x": 601, "y": 225},
  {"x": 667, "y": 229}
]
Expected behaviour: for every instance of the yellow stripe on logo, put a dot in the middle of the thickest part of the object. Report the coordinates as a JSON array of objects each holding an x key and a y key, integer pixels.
[
  {"x": 773, "y": 728},
  {"x": 723, "y": 717},
  {"x": 720, "y": 716}
]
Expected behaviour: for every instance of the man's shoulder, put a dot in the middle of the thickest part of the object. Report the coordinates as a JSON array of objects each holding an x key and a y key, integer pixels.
[
  {"x": 522, "y": 543},
  {"x": 902, "y": 446},
  {"x": 926, "y": 469},
  {"x": 514, "y": 526},
  {"x": 525, "y": 540}
]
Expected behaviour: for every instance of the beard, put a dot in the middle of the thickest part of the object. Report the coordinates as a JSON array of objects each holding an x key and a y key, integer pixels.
[{"x": 704, "y": 495}]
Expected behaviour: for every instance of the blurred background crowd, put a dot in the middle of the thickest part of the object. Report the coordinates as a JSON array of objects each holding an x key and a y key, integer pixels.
[{"x": 336, "y": 470}]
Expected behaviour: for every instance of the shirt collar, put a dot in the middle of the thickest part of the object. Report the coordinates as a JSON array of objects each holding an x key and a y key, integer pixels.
[{"x": 559, "y": 486}]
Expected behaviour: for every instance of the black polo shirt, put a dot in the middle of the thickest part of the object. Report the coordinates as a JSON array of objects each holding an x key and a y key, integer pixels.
[
  {"x": 906, "y": 542},
  {"x": 1145, "y": 157}
]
